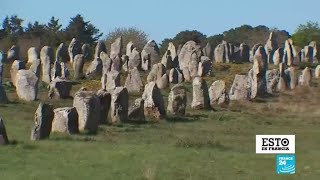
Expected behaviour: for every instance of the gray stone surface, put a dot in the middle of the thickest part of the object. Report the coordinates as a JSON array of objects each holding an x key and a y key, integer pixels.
[
  {"x": 42, "y": 122},
  {"x": 87, "y": 104},
  {"x": 33, "y": 54},
  {"x": 65, "y": 120},
  {"x": 27, "y": 85},
  {"x": 218, "y": 94},
  {"x": 119, "y": 105},
  {"x": 177, "y": 100},
  {"x": 77, "y": 65},
  {"x": 60, "y": 88},
  {"x": 136, "y": 112},
  {"x": 200, "y": 94},
  {"x": 133, "y": 82},
  {"x": 94, "y": 71},
  {"x": 153, "y": 101}
]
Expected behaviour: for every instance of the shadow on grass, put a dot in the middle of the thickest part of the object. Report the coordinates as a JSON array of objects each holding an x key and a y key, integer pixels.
[
  {"x": 181, "y": 119},
  {"x": 201, "y": 143}
]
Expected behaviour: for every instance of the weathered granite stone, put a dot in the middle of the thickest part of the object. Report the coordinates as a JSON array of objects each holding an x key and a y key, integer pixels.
[
  {"x": 65, "y": 120},
  {"x": 27, "y": 85},
  {"x": 177, "y": 100},
  {"x": 200, "y": 97},
  {"x": 87, "y": 104},
  {"x": 43, "y": 122},
  {"x": 153, "y": 101}
]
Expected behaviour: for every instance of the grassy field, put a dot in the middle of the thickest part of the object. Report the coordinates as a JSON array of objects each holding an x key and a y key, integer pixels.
[{"x": 216, "y": 144}]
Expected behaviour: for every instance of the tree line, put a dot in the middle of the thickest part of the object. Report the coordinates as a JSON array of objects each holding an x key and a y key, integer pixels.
[{"x": 53, "y": 34}]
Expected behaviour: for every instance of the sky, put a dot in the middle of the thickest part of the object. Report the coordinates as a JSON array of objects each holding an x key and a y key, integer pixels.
[{"x": 165, "y": 18}]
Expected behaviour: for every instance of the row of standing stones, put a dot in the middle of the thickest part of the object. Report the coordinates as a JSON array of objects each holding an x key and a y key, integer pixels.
[{"x": 111, "y": 105}]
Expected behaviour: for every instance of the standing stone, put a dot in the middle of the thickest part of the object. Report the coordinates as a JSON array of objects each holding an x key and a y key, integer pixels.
[
  {"x": 177, "y": 100},
  {"x": 116, "y": 64},
  {"x": 283, "y": 78},
  {"x": 317, "y": 72},
  {"x": 106, "y": 62},
  {"x": 78, "y": 64},
  {"x": 163, "y": 82},
  {"x": 65, "y": 120},
  {"x": 173, "y": 52},
  {"x": 153, "y": 101},
  {"x": 200, "y": 96},
  {"x": 157, "y": 71},
  {"x": 94, "y": 71},
  {"x": 186, "y": 52},
  {"x": 244, "y": 52},
  {"x": 119, "y": 105},
  {"x": 62, "y": 53},
  {"x": 193, "y": 65},
  {"x": 179, "y": 49},
  {"x": 74, "y": 49},
  {"x": 167, "y": 60},
  {"x": 207, "y": 51},
  {"x": 316, "y": 52},
  {"x": 111, "y": 80},
  {"x": 56, "y": 70},
  {"x": 240, "y": 89},
  {"x": 129, "y": 48},
  {"x": 13, "y": 53},
  {"x": 87, "y": 104},
  {"x": 278, "y": 56},
  {"x": 253, "y": 51},
  {"x": 35, "y": 67},
  {"x": 258, "y": 76},
  {"x": 305, "y": 77},
  {"x": 175, "y": 76},
  {"x": 27, "y": 85},
  {"x": 134, "y": 60},
  {"x": 64, "y": 70},
  {"x": 272, "y": 80},
  {"x": 15, "y": 67},
  {"x": 152, "y": 49},
  {"x": 43, "y": 122},
  {"x": 292, "y": 77},
  {"x": 125, "y": 61},
  {"x": 60, "y": 88},
  {"x": 307, "y": 54},
  {"x": 290, "y": 55},
  {"x": 136, "y": 112},
  {"x": 218, "y": 94},
  {"x": 133, "y": 82},
  {"x": 33, "y": 54},
  {"x": 219, "y": 53},
  {"x": 271, "y": 46},
  {"x": 205, "y": 66},
  {"x": 3, "y": 133},
  {"x": 85, "y": 50},
  {"x": 116, "y": 48},
  {"x": 105, "y": 102},
  {"x": 46, "y": 57},
  {"x": 101, "y": 47},
  {"x": 145, "y": 60}
]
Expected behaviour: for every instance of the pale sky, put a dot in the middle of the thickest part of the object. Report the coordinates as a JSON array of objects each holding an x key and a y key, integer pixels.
[{"x": 165, "y": 18}]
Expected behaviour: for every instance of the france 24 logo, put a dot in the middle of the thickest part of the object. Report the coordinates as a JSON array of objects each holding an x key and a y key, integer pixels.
[
  {"x": 275, "y": 144},
  {"x": 286, "y": 163}
]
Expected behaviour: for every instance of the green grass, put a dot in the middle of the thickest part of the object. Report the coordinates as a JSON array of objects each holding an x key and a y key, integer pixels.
[{"x": 217, "y": 144}]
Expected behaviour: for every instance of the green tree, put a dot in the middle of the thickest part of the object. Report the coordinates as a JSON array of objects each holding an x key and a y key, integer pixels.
[
  {"x": 82, "y": 30},
  {"x": 54, "y": 33},
  {"x": 137, "y": 36},
  {"x": 35, "y": 30},
  {"x": 305, "y": 33},
  {"x": 183, "y": 37}
]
